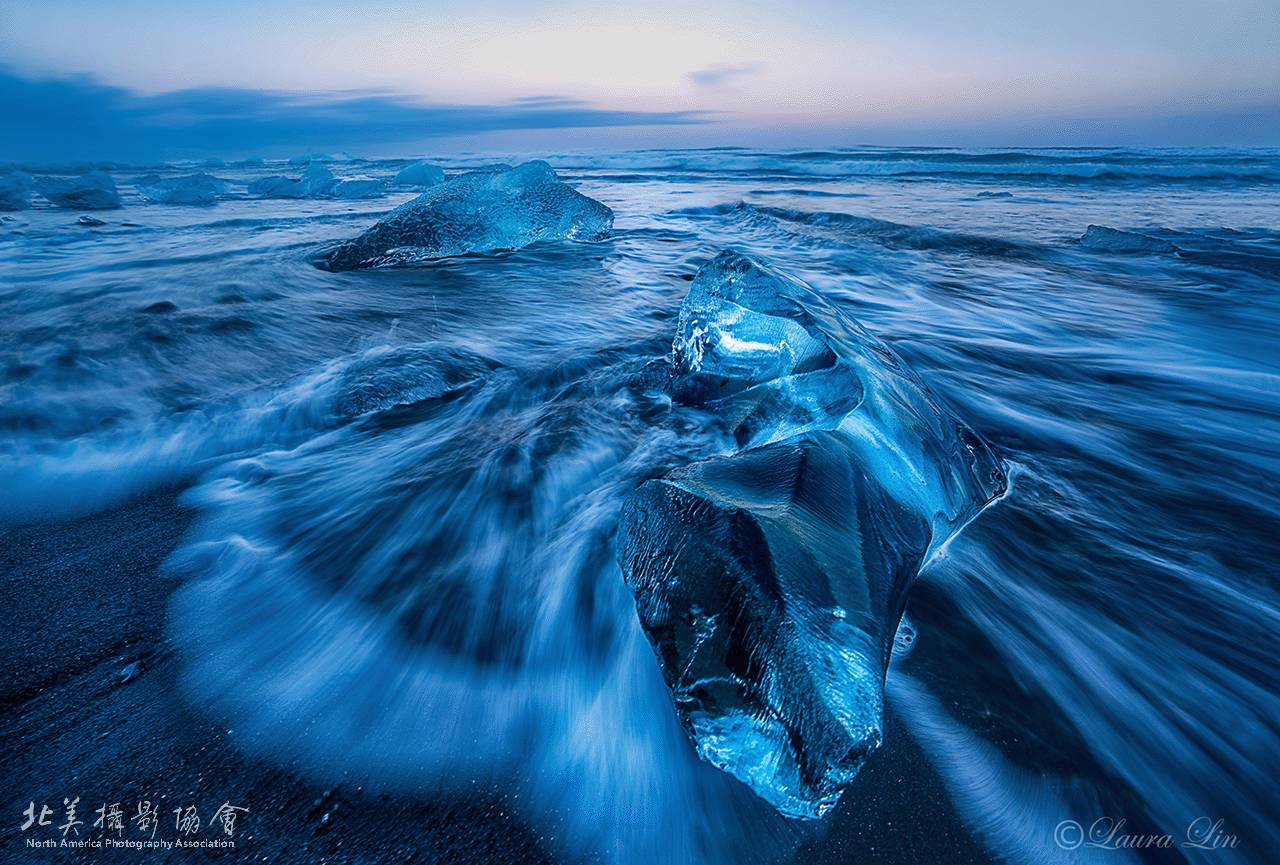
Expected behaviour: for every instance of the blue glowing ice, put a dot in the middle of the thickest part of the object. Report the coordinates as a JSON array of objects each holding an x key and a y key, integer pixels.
[
  {"x": 770, "y": 581},
  {"x": 484, "y": 211}
]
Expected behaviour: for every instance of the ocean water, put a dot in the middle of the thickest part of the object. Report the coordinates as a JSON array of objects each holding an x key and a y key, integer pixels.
[{"x": 408, "y": 480}]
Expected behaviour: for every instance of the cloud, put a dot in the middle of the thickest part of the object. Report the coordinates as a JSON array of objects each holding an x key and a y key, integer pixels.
[
  {"x": 718, "y": 74},
  {"x": 61, "y": 119}
]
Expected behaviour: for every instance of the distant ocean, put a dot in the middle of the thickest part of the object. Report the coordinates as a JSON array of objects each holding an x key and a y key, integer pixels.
[{"x": 421, "y": 590}]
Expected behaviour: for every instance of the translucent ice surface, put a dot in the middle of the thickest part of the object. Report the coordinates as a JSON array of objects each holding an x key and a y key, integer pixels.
[
  {"x": 771, "y": 580},
  {"x": 484, "y": 211}
]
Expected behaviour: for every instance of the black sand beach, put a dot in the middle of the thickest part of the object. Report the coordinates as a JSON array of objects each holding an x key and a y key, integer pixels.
[{"x": 88, "y": 597}]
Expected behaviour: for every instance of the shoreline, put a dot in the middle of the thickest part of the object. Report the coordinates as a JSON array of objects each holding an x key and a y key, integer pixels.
[{"x": 93, "y": 599}]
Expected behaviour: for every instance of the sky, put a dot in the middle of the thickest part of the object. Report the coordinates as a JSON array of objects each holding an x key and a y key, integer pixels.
[{"x": 143, "y": 78}]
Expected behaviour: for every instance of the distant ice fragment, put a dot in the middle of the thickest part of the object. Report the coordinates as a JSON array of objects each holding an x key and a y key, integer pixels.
[
  {"x": 93, "y": 191},
  {"x": 484, "y": 211},
  {"x": 276, "y": 186},
  {"x": 421, "y": 174},
  {"x": 1104, "y": 239},
  {"x": 771, "y": 580},
  {"x": 90, "y": 221},
  {"x": 317, "y": 180},
  {"x": 188, "y": 189},
  {"x": 358, "y": 187},
  {"x": 15, "y": 190}
]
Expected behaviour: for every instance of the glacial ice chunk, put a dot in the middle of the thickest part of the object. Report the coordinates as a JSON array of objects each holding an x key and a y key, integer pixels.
[
  {"x": 771, "y": 580},
  {"x": 484, "y": 211},
  {"x": 188, "y": 189},
  {"x": 358, "y": 187},
  {"x": 382, "y": 378},
  {"x": 421, "y": 174},
  {"x": 317, "y": 181},
  {"x": 93, "y": 191},
  {"x": 276, "y": 186},
  {"x": 1104, "y": 239},
  {"x": 15, "y": 190}
]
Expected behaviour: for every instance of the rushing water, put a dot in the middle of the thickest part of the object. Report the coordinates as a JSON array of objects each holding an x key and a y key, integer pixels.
[{"x": 409, "y": 479}]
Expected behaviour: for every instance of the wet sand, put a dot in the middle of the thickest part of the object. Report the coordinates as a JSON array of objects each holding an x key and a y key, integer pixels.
[{"x": 87, "y": 598}]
